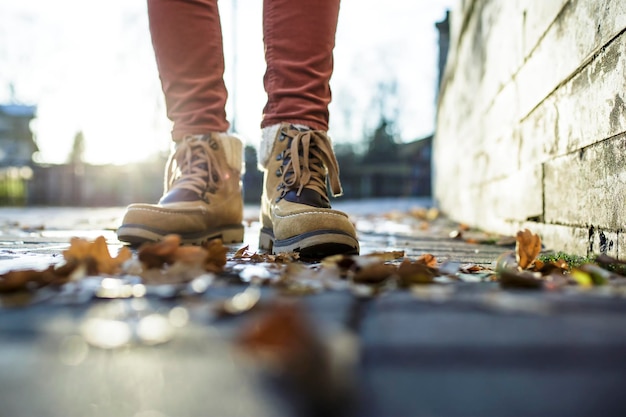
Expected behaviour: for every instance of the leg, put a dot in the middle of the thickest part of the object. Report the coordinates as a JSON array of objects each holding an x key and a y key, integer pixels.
[
  {"x": 296, "y": 153},
  {"x": 187, "y": 40},
  {"x": 202, "y": 198},
  {"x": 299, "y": 38}
]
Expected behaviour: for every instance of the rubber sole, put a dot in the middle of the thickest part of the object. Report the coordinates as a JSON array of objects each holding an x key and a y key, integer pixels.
[
  {"x": 313, "y": 245},
  {"x": 137, "y": 234}
]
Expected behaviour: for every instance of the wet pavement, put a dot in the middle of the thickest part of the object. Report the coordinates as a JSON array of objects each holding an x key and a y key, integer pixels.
[{"x": 462, "y": 347}]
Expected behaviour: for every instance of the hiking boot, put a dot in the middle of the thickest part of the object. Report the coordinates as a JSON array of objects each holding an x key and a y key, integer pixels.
[
  {"x": 296, "y": 215},
  {"x": 202, "y": 198}
]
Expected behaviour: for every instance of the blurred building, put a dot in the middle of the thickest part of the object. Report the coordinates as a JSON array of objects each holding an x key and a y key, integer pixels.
[
  {"x": 17, "y": 146},
  {"x": 88, "y": 185}
]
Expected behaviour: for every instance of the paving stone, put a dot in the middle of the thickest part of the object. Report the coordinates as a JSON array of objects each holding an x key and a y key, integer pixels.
[{"x": 452, "y": 350}]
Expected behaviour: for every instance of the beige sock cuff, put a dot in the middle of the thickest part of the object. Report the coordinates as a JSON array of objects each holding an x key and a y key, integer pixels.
[
  {"x": 233, "y": 149},
  {"x": 268, "y": 137},
  {"x": 232, "y": 145}
]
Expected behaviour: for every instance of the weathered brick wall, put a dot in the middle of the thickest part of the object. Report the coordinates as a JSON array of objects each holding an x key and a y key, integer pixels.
[{"x": 531, "y": 125}]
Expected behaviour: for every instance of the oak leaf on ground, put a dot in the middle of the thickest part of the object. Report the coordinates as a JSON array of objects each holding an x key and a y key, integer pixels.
[{"x": 96, "y": 255}]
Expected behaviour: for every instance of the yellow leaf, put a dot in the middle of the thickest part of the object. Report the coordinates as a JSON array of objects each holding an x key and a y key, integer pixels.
[{"x": 582, "y": 278}]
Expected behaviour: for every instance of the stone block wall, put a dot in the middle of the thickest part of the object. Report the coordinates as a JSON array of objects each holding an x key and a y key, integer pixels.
[{"x": 531, "y": 124}]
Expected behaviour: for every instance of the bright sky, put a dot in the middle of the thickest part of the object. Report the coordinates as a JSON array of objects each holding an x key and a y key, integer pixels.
[{"x": 88, "y": 65}]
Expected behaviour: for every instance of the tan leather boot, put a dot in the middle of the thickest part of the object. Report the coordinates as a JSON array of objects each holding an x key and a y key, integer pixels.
[
  {"x": 296, "y": 215},
  {"x": 202, "y": 198}
]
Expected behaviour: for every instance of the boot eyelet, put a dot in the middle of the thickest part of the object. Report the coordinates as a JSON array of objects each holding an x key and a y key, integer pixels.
[
  {"x": 279, "y": 156},
  {"x": 281, "y": 137},
  {"x": 279, "y": 172}
]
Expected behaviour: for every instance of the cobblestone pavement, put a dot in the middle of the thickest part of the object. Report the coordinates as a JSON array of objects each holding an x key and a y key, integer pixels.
[{"x": 462, "y": 348}]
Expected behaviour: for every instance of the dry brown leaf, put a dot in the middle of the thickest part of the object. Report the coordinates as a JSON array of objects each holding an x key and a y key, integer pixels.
[
  {"x": 216, "y": 256},
  {"x": 284, "y": 336},
  {"x": 211, "y": 256},
  {"x": 243, "y": 253},
  {"x": 559, "y": 266},
  {"x": 374, "y": 274},
  {"x": 193, "y": 255},
  {"x": 387, "y": 256},
  {"x": 428, "y": 260},
  {"x": 471, "y": 268},
  {"x": 510, "y": 278},
  {"x": 415, "y": 273},
  {"x": 96, "y": 255},
  {"x": 527, "y": 248},
  {"x": 280, "y": 258},
  {"x": 20, "y": 280},
  {"x": 157, "y": 254},
  {"x": 30, "y": 279}
]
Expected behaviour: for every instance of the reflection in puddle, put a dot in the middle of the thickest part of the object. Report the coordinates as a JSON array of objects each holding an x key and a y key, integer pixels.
[
  {"x": 123, "y": 322},
  {"x": 106, "y": 333}
]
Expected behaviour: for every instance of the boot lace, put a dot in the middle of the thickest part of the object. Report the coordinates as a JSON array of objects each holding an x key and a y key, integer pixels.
[
  {"x": 194, "y": 166},
  {"x": 307, "y": 161}
]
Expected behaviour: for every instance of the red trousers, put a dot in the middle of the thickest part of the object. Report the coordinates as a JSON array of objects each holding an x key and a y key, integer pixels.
[{"x": 299, "y": 37}]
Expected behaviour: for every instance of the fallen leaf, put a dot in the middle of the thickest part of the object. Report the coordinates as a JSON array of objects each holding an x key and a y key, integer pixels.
[
  {"x": 282, "y": 257},
  {"x": 515, "y": 279},
  {"x": 582, "y": 278},
  {"x": 527, "y": 248},
  {"x": 428, "y": 260},
  {"x": 410, "y": 273},
  {"x": 243, "y": 253},
  {"x": 216, "y": 256},
  {"x": 591, "y": 275},
  {"x": 31, "y": 279},
  {"x": 282, "y": 335},
  {"x": 157, "y": 254},
  {"x": 386, "y": 256},
  {"x": 314, "y": 374},
  {"x": 96, "y": 255},
  {"x": 374, "y": 274},
  {"x": 190, "y": 255},
  {"x": 553, "y": 267},
  {"x": 19, "y": 280},
  {"x": 471, "y": 268}
]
